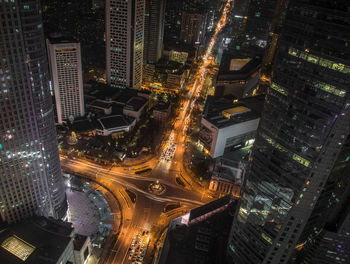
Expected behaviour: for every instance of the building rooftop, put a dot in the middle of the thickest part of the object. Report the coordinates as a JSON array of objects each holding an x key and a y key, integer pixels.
[
  {"x": 202, "y": 242},
  {"x": 124, "y": 96},
  {"x": 82, "y": 125},
  {"x": 109, "y": 122},
  {"x": 99, "y": 104},
  {"x": 209, "y": 207},
  {"x": 163, "y": 107},
  {"x": 135, "y": 103},
  {"x": 61, "y": 38},
  {"x": 79, "y": 241},
  {"x": 233, "y": 67},
  {"x": 34, "y": 241},
  {"x": 227, "y": 111}
]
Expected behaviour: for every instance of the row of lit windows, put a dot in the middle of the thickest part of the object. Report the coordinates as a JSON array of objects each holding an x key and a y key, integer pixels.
[
  {"x": 279, "y": 147},
  {"x": 320, "y": 85},
  {"x": 339, "y": 67}
]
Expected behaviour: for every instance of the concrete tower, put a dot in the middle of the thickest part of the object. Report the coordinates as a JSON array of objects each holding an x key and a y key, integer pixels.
[
  {"x": 67, "y": 78},
  {"x": 124, "y": 42}
]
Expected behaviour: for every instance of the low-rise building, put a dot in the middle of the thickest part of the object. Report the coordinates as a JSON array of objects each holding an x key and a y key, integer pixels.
[
  {"x": 37, "y": 240},
  {"x": 101, "y": 106},
  {"x": 161, "y": 113},
  {"x": 175, "y": 80},
  {"x": 134, "y": 107},
  {"x": 228, "y": 123},
  {"x": 226, "y": 178},
  {"x": 178, "y": 56},
  {"x": 237, "y": 75},
  {"x": 114, "y": 124},
  {"x": 82, "y": 248}
]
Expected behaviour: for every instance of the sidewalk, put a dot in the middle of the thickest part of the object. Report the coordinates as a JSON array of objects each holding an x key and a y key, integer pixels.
[{"x": 82, "y": 213}]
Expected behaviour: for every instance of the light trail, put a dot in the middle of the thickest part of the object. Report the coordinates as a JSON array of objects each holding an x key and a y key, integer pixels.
[
  {"x": 200, "y": 75},
  {"x": 117, "y": 178}
]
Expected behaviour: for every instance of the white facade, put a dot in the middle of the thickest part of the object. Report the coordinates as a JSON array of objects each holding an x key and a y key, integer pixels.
[
  {"x": 67, "y": 79},
  {"x": 124, "y": 42},
  {"x": 217, "y": 139},
  {"x": 83, "y": 253}
]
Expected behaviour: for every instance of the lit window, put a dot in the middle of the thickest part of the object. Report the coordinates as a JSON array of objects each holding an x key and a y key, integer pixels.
[
  {"x": 18, "y": 247},
  {"x": 320, "y": 61},
  {"x": 279, "y": 89}
]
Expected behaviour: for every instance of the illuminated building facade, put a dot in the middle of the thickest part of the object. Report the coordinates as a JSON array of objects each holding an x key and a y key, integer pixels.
[
  {"x": 292, "y": 173},
  {"x": 154, "y": 30},
  {"x": 30, "y": 172},
  {"x": 67, "y": 78},
  {"x": 124, "y": 42}
]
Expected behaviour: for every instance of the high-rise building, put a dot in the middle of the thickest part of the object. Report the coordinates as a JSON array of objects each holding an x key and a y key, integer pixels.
[
  {"x": 124, "y": 42},
  {"x": 154, "y": 30},
  {"x": 190, "y": 27},
  {"x": 293, "y": 168},
  {"x": 259, "y": 19},
  {"x": 30, "y": 172},
  {"x": 67, "y": 78}
]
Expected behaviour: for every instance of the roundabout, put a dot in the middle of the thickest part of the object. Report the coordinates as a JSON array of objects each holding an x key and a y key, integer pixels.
[{"x": 156, "y": 188}]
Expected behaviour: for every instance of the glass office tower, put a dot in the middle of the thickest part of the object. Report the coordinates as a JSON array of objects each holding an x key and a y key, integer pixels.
[
  {"x": 303, "y": 128},
  {"x": 154, "y": 30},
  {"x": 30, "y": 172}
]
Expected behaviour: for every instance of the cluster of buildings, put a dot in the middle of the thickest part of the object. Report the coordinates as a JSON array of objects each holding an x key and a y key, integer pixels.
[
  {"x": 293, "y": 184},
  {"x": 135, "y": 59},
  {"x": 41, "y": 240}
]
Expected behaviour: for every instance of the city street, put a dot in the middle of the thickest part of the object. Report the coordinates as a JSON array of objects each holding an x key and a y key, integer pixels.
[{"x": 147, "y": 211}]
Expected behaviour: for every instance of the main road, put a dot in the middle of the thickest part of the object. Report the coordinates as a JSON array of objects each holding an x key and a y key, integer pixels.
[{"x": 168, "y": 170}]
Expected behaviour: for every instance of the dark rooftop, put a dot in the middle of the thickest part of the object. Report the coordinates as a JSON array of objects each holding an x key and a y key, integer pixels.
[
  {"x": 78, "y": 242},
  {"x": 82, "y": 125},
  {"x": 135, "y": 103},
  {"x": 162, "y": 106},
  {"x": 214, "y": 107},
  {"x": 209, "y": 207},
  {"x": 203, "y": 242},
  {"x": 115, "y": 121},
  {"x": 61, "y": 38},
  {"x": 124, "y": 96},
  {"x": 99, "y": 104},
  {"x": 48, "y": 237},
  {"x": 234, "y": 67}
]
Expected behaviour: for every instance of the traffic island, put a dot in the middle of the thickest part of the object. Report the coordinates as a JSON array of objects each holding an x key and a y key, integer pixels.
[{"x": 156, "y": 188}]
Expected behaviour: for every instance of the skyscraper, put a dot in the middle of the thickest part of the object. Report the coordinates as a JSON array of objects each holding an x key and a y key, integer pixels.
[
  {"x": 124, "y": 42},
  {"x": 67, "y": 78},
  {"x": 190, "y": 27},
  {"x": 292, "y": 171},
  {"x": 30, "y": 172},
  {"x": 154, "y": 30}
]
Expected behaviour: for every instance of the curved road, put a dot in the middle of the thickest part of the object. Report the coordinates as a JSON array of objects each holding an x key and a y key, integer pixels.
[{"x": 147, "y": 212}]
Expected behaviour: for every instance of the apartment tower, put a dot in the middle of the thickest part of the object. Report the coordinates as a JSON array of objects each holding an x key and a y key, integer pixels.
[
  {"x": 124, "y": 42},
  {"x": 154, "y": 30},
  {"x": 67, "y": 78}
]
